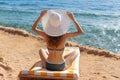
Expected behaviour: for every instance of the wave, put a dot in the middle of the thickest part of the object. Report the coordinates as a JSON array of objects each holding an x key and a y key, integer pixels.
[
  {"x": 3, "y": 3},
  {"x": 27, "y": 4},
  {"x": 17, "y": 11},
  {"x": 97, "y": 15}
]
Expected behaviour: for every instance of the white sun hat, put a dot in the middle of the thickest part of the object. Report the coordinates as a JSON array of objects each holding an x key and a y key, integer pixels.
[{"x": 55, "y": 22}]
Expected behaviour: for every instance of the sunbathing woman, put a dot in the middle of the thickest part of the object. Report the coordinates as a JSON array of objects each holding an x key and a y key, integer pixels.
[{"x": 55, "y": 25}]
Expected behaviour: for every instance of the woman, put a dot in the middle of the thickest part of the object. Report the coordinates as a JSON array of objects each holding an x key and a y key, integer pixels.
[{"x": 55, "y": 26}]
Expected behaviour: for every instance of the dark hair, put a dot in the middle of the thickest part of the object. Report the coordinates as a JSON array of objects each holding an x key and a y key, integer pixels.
[{"x": 54, "y": 41}]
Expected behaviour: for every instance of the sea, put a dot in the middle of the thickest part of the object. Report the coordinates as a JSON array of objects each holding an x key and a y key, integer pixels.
[{"x": 99, "y": 19}]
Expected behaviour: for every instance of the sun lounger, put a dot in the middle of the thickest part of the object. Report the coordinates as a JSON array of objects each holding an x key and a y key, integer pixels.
[{"x": 38, "y": 73}]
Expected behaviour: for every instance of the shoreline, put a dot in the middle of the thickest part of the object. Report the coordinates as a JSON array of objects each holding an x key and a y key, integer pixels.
[
  {"x": 19, "y": 50},
  {"x": 15, "y": 31}
]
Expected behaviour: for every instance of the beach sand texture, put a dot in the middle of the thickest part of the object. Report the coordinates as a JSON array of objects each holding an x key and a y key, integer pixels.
[{"x": 19, "y": 51}]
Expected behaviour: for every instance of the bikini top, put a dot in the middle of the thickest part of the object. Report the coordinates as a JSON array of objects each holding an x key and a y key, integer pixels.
[{"x": 54, "y": 49}]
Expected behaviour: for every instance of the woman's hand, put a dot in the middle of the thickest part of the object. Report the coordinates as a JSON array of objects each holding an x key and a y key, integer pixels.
[
  {"x": 70, "y": 15},
  {"x": 43, "y": 13}
]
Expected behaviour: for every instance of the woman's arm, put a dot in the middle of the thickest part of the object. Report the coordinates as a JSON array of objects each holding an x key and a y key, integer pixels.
[
  {"x": 34, "y": 27},
  {"x": 79, "y": 29}
]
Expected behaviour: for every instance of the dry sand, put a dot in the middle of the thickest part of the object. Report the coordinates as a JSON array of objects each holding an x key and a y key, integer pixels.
[{"x": 19, "y": 50}]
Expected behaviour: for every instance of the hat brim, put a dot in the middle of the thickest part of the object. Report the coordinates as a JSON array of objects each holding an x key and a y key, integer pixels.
[{"x": 56, "y": 31}]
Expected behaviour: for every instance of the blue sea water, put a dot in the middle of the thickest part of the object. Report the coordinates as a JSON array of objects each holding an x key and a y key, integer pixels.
[{"x": 100, "y": 19}]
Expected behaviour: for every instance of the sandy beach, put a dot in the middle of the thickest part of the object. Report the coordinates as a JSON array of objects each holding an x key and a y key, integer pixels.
[{"x": 19, "y": 50}]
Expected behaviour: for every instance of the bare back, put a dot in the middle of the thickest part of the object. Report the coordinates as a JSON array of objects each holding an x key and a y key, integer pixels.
[{"x": 55, "y": 53}]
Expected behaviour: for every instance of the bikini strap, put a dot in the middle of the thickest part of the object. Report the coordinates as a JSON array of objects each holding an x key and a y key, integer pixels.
[{"x": 61, "y": 49}]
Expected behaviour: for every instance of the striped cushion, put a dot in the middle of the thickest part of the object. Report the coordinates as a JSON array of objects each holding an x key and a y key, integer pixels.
[{"x": 71, "y": 73}]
